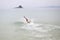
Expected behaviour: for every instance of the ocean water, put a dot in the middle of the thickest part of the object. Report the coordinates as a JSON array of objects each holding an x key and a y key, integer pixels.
[{"x": 45, "y": 24}]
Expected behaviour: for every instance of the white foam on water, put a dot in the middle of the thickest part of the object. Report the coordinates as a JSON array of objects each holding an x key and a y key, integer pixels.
[
  {"x": 43, "y": 29},
  {"x": 34, "y": 26}
]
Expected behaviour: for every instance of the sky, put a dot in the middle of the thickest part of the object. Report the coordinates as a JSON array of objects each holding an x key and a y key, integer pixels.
[{"x": 28, "y": 3}]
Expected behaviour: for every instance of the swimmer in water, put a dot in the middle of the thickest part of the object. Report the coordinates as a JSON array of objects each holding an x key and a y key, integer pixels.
[{"x": 28, "y": 21}]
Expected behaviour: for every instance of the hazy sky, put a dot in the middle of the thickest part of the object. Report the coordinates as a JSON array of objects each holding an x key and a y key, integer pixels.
[{"x": 28, "y": 3}]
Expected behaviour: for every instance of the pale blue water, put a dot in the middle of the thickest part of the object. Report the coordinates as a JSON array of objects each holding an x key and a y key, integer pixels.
[{"x": 45, "y": 25}]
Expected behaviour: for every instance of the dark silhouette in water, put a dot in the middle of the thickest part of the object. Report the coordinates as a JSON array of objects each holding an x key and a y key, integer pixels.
[
  {"x": 19, "y": 6},
  {"x": 27, "y": 20}
]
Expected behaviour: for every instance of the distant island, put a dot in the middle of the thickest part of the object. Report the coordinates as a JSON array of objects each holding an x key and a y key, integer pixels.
[
  {"x": 19, "y": 6},
  {"x": 54, "y": 6}
]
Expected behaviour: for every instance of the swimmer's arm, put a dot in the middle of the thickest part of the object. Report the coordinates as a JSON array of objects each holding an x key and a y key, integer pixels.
[{"x": 28, "y": 21}]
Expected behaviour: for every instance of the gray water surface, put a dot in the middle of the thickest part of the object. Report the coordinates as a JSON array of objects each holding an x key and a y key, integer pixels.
[{"x": 12, "y": 26}]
